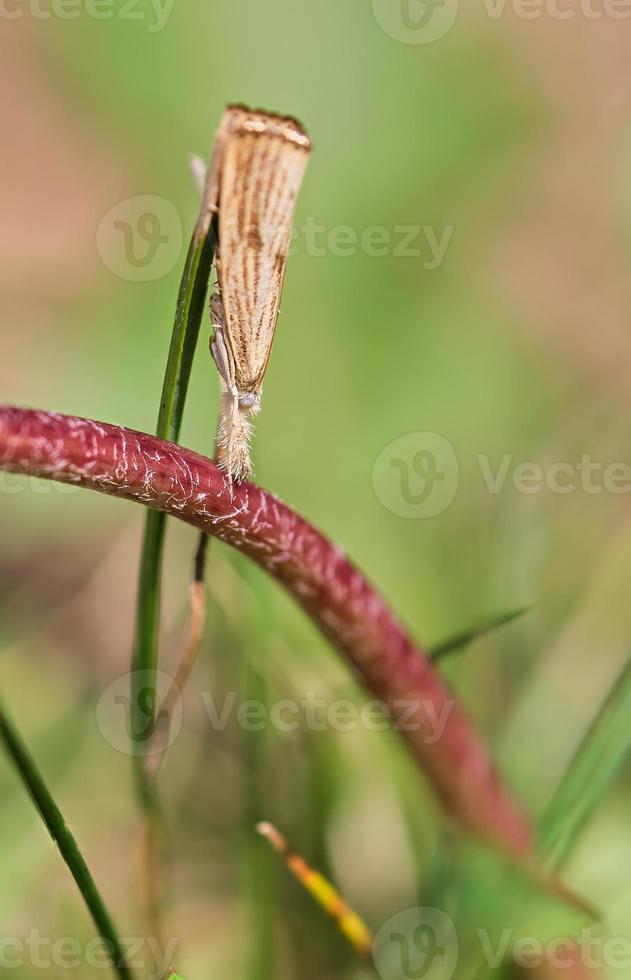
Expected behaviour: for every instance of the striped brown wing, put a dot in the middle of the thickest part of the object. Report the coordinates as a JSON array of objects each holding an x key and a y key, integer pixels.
[{"x": 262, "y": 168}]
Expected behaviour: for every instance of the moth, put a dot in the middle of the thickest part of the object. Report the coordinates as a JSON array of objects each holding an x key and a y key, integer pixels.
[{"x": 257, "y": 169}]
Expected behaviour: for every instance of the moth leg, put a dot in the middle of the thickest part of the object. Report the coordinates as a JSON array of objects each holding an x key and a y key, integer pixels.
[
  {"x": 232, "y": 429},
  {"x": 218, "y": 347},
  {"x": 236, "y": 406},
  {"x": 220, "y": 356},
  {"x": 233, "y": 439},
  {"x": 217, "y": 312},
  {"x": 223, "y": 362}
]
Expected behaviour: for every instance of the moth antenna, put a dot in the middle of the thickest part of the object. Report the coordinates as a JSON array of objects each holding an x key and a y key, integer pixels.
[{"x": 197, "y": 167}]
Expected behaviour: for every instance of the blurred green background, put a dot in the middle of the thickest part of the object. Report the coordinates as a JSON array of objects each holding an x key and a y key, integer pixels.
[{"x": 508, "y": 136}]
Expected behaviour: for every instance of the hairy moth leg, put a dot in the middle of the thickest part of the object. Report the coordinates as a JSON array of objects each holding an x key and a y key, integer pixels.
[
  {"x": 235, "y": 429},
  {"x": 229, "y": 393}
]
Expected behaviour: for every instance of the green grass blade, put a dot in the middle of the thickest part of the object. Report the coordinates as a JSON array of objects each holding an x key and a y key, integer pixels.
[
  {"x": 186, "y": 326},
  {"x": 590, "y": 775},
  {"x": 68, "y": 847},
  {"x": 454, "y": 643},
  {"x": 189, "y": 311}
]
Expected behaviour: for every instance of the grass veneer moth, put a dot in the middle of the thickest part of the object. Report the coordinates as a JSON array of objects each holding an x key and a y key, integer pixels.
[{"x": 258, "y": 164}]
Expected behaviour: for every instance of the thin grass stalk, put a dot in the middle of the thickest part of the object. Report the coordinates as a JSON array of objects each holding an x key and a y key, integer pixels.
[
  {"x": 53, "y": 818},
  {"x": 186, "y": 327},
  {"x": 190, "y": 306},
  {"x": 591, "y": 773},
  {"x": 453, "y": 644}
]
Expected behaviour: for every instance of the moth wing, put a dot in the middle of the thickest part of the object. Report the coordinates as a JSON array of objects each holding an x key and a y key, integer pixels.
[{"x": 261, "y": 173}]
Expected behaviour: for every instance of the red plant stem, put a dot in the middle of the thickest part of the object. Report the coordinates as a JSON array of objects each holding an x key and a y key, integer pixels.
[{"x": 330, "y": 589}]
